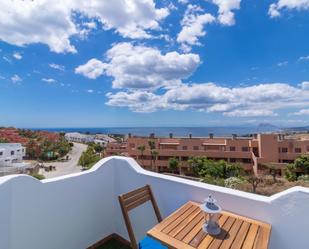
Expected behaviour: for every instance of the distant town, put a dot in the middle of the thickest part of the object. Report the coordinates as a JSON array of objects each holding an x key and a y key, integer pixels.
[{"x": 262, "y": 163}]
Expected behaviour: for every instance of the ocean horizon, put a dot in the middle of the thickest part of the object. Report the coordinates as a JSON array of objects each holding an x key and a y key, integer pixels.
[{"x": 165, "y": 131}]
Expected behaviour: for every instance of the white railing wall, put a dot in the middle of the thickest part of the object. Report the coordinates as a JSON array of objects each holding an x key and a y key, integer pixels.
[{"x": 75, "y": 211}]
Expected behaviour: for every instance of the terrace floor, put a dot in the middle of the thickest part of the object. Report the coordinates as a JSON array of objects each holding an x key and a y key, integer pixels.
[{"x": 114, "y": 244}]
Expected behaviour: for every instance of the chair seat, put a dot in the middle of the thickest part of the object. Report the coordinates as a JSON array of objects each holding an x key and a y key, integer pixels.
[{"x": 150, "y": 243}]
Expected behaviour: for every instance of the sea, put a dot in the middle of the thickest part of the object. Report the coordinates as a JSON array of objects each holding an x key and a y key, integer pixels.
[{"x": 165, "y": 131}]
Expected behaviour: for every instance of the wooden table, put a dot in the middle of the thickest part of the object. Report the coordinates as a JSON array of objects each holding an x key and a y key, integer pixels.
[{"x": 183, "y": 230}]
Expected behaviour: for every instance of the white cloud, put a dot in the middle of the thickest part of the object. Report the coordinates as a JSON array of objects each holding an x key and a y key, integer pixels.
[
  {"x": 92, "y": 69},
  {"x": 141, "y": 67},
  {"x": 193, "y": 26},
  {"x": 305, "y": 85},
  {"x": 226, "y": 14},
  {"x": 90, "y": 25},
  {"x": 304, "y": 58},
  {"x": 15, "y": 78},
  {"x": 256, "y": 100},
  {"x": 57, "y": 66},
  {"x": 282, "y": 63},
  {"x": 130, "y": 18},
  {"x": 137, "y": 101},
  {"x": 7, "y": 59},
  {"x": 54, "y": 22},
  {"x": 25, "y": 22},
  {"x": 49, "y": 80},
  {"x": 275, "y": 8},
  {"x": 301, "y": 112},
  {"x": 250, "y": 113},
  {"x": 183, "y": 1},
  {"x": 17, "y": 56}
]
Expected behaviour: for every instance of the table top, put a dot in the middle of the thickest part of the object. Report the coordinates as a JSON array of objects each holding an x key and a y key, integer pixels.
[{"x": 183, "y": 229}]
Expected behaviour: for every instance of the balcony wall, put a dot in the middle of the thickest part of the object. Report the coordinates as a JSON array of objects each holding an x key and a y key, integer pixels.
[{"x": 75, "y": 211}]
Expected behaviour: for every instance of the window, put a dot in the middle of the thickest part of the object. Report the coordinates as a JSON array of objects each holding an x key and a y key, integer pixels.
[
  {"x": 284, "y": 150},
  {"x": 232, "y": 160},
  {"x": 12, "y": 152},
  {"x": 246, "y": 160},
  {"x": 232, "y": 148},
  {"x": 1, "y": 153},
  {"x": 297, "y": 150},
  {"x": 184, "y": 147},
  {"x": 245, "y": 148},
  {"x": 307, "y": 148},
  {"x": 195, "y": 148}
]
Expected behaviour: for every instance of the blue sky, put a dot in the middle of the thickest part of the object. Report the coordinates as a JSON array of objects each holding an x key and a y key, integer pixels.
[{"x": 154, "y": 63}]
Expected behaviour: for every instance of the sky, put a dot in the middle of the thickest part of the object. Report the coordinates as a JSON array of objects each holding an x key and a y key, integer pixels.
[{"x": 101, "y": 63}]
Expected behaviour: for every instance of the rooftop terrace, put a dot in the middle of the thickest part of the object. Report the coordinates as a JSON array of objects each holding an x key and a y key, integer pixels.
[{"x": 76, "y": 211}]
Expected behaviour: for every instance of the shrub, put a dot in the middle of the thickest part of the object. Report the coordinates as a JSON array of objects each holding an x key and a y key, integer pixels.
[
  {"x": 290, "y": 174},
  {"x": 38, "y": 176},
  {"x": 304, "y": 178},
  {"x": 211, "y": 180},
  {"x": 233, "y": 182}
]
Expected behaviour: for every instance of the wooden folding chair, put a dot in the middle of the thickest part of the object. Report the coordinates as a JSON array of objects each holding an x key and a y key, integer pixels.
[{"x": 132, "y": 200}]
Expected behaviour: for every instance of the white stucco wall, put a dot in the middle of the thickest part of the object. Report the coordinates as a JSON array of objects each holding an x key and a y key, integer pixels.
[{"x": 75, "y": 211}]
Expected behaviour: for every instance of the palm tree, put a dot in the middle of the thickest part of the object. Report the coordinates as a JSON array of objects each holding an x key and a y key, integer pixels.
[
  {"x": 142, "y": 148},
  {"x": 152, "y": 146},
  {"x": 154, "y": 155}
]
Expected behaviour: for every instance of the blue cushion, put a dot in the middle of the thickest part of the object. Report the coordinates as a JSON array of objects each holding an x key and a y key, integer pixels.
[{"x": 150, "y": 243}]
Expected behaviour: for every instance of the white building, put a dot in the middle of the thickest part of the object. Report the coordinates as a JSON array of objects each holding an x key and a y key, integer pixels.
[
  {"x": 11, "y": 154},
  {"x": 103, "y": 139},
  {"x": 79, "y": 137}
]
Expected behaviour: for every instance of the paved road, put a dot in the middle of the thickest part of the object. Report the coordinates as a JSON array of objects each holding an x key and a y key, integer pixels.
[{"x": 65, "y": 168}]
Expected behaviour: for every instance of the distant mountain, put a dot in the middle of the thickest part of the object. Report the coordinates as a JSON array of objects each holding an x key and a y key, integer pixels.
[{"x": 267, "y": 127}]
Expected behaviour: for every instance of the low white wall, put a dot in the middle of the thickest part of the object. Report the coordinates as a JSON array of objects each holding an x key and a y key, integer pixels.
[{"x": 75, "y": 211}]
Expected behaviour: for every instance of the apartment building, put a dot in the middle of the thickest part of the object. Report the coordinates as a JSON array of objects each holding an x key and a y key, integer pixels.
[
  {"x": 11, "y": 154},
  {"x": 79, "y": 137},
  {"x": 251, "y": 152}
]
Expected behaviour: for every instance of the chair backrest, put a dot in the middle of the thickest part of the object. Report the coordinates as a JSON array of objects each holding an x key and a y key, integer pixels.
[{"x": 132, "y": 200}]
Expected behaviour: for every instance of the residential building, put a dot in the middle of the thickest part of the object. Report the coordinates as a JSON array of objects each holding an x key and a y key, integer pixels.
[
  {"x": 11, "y": 159},
  {"x": 79, "y": 137},
  {"x": 11, "y": 154},
  {"x": 103, "y": 139},
  {"x": 251, "y": 152}
]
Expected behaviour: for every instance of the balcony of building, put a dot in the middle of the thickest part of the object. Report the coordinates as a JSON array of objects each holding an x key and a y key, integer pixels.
[{"x": 76, "y": 211}]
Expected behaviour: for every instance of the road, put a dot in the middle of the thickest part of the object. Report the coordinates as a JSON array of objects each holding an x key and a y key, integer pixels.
[{"x": 69, "y": 167}]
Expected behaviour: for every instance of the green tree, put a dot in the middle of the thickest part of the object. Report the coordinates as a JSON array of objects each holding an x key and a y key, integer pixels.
[
  {"x": 218, "y": 169},
  {"x": 302, "y": 163},
  {"x": 255, "y": 181},
  {"x": 173, "y": 164},
  {"x": 88, "y": 158},
  {"x": 290, "y": 173},
  {"x": 197, "y": 164}
]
